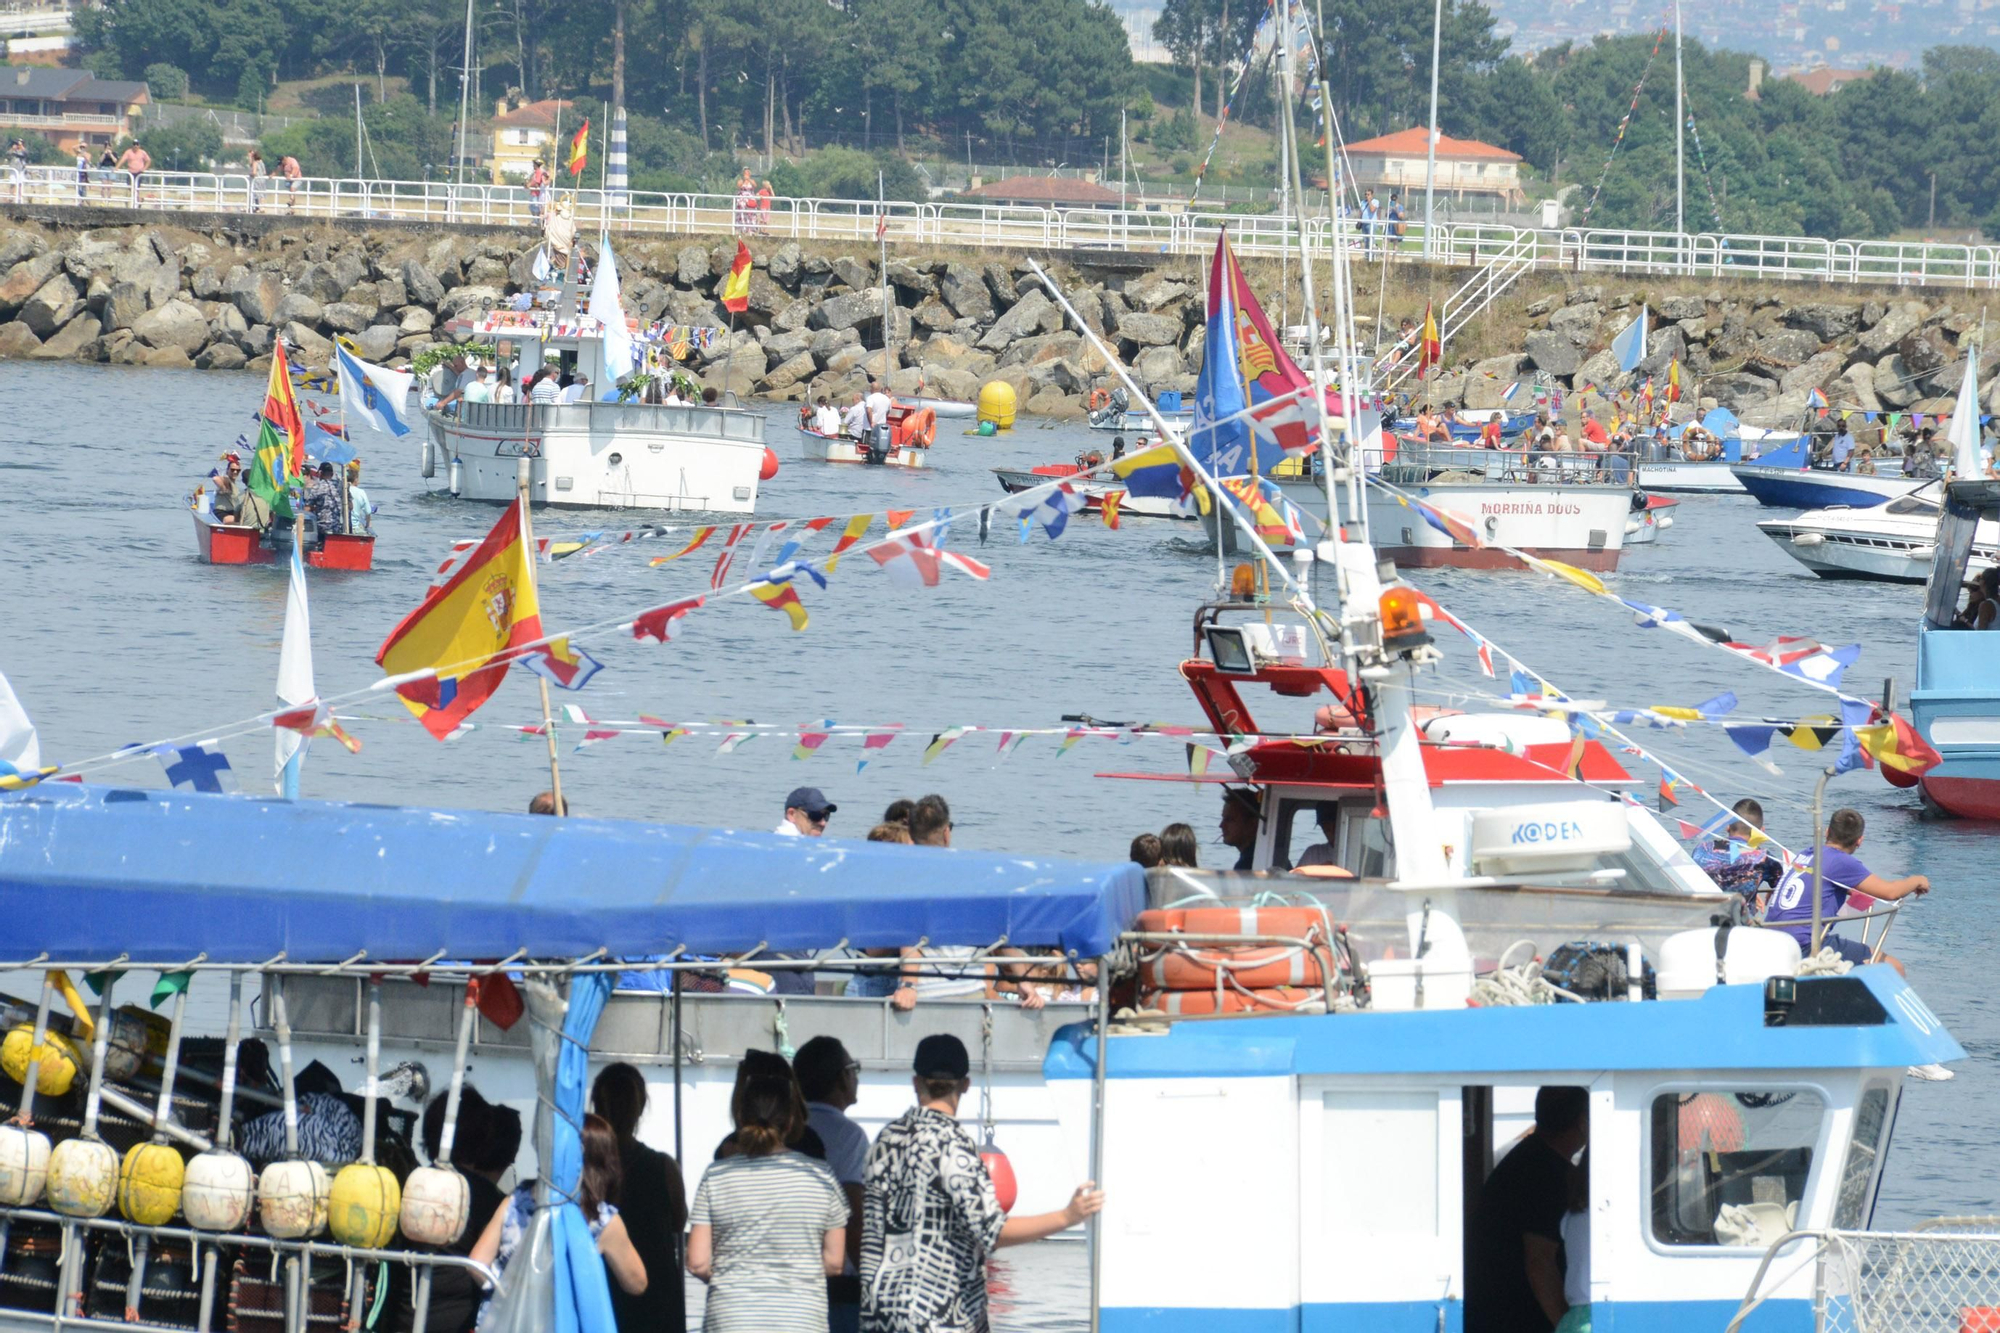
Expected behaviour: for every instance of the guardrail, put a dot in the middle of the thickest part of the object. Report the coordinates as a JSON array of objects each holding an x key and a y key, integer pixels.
[{"x": 980, "y": 226}]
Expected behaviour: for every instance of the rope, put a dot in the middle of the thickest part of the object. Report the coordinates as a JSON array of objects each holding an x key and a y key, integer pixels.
[
  {"x": 1625, "y": 122},
  {"x": 1825, "y": 963}
]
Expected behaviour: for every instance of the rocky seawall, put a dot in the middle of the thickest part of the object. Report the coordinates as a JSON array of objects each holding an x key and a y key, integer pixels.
[{"x": 216, "y": 298}]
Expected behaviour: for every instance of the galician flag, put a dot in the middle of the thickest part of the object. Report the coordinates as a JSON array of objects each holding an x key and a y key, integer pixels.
[
  {"x": 1630, "y": 346},
  {"x": 374, "y": 394}
]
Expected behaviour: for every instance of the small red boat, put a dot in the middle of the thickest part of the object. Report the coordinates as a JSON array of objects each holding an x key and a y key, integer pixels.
[{"x": 221, "y": 543}]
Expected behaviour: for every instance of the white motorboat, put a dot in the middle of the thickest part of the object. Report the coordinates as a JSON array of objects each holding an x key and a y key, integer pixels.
[
  {"x": 615, "y": 455},
  {"x": 912, "y": 431},
  {"x": 946, "y": 407},
  {"x": 1652, "y": 516},
  {"x": 1891, "y": 543}
]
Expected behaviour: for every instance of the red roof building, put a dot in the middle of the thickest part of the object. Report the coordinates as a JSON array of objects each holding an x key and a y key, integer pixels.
[
  {"x": 1397, "y": 163},
  {"x": 1820, "y": 82},
  {"x": 1045, "y": 192}
]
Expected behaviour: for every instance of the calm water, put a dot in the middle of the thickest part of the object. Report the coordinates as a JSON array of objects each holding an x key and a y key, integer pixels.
[{"x": 114, "y": 633}]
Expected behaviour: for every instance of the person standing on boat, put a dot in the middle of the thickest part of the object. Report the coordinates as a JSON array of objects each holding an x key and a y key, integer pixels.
[
  {"x": 878, "y": 417},
  {"x": 1514, "y": 1254},
  {"x": 322, "y": 500},
  {"x": 930, "y": 1217},
  {"x": 1841, "y": 873},
  {"x": 1239, "y": 825},
  {"x": 1843, "y": 447},
  {"x": 229, "y": 487},
  {"x": 653, "y": 1204},
  {"x": 360, "y": 509},
  {"x": 826, "y": 417},
  {"x": 831, "y": 1081},
  {"x": 855, "y": 420}
]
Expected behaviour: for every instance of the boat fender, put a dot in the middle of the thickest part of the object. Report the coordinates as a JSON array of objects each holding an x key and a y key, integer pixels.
[
  {"x": 457, "y": 474},
  {"x": 219, "y": 1191},
  {"x": 769, "y": 467},
  {"x": 149, "y": 1184},
  {"x": 57, "y": 1056},
  {"x": 1898, "y": 778},
  {"x": 430, "y": 459},
  {"x": 1005, "y": 1187},
  {"x": 24, "y": 1165},
  {"x": 292, "y": 1199},
  {"x": 363, "y": 1205},
  {"x": 437, "y": 1202},
  {"x": 83, "y": 1177},
  {"x": 1639, "y": 502}
]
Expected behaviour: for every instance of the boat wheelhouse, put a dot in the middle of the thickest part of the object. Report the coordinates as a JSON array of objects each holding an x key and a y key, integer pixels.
[{"x": 593, "y": 453}]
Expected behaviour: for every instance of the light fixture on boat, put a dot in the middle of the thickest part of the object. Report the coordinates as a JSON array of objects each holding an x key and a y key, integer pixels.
[
  {"x": 1402, "y": 620},
  {"x": 1230, "y": 650}
]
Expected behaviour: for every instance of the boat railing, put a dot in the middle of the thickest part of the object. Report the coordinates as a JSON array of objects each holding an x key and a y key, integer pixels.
[
  {"x": 1426, "y": 463},
  {"x": 1942, "y": 1274},
  {"x": 528, "y": 419},
  {"x": 215, "y": 1278}
]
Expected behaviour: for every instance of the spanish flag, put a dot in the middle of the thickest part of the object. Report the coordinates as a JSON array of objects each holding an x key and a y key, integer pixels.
[
  {"x": 579, "y": 149},
  {"x": 736, "y": 287},
  {"x": 1674, "y": 380},
  {"x": 485, "y": 609},
  {"x": 1433, "y": 346}
]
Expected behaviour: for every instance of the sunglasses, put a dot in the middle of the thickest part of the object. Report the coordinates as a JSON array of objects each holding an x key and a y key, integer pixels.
[{"x": 820, "y": 818}]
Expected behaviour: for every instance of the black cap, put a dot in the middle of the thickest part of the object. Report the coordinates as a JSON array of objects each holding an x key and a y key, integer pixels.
[
  {"x": 942, "y": 1055},
  {"x": 811, "y": 800}
]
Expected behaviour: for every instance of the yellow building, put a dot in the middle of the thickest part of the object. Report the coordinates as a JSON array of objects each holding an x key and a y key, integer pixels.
[{"x": 525, "y": 133}]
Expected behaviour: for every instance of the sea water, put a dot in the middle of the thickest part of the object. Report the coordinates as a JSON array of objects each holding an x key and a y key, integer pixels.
[{"x": 115, "y": 633}]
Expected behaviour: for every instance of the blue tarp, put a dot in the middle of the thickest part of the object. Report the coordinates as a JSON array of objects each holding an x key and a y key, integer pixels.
[{"x": 89, "y": 872}]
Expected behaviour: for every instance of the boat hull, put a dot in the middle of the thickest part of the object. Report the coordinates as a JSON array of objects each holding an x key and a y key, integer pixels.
[
  {"x": 1956, "y": 708},
  {"x": 1141, "y": 423},
  {"x": 1806, "y": 488},
  {"x": 605, "y": 455},
  {"x": 1644, "y": 527},
  {"x": 232, "y": 544},
  {"x": 946, "y": 407},
  {"x": 1014, "y": 480},
  {"x": 1690, "y": 478},
  {"x": 1876, "y": 544},
  {"x": 1579, "y": 525},
  {"x": 840, "y": 449}
]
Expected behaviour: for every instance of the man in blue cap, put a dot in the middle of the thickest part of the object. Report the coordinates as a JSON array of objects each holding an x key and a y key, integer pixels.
[{"x": 806, "y": 813}]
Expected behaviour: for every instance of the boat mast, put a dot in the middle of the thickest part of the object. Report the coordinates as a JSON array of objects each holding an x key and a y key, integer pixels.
[
  {"x": 464, "y": 92},
  {"x": 1430, "y": 143},
  {"x": 1680, "y": 135},
  {"x": 882, "y": 240},
  {"x": 357, "y": 132}
]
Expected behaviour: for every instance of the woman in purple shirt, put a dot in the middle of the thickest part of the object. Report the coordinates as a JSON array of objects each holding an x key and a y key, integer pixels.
[{"x": 1842, "y": 873}]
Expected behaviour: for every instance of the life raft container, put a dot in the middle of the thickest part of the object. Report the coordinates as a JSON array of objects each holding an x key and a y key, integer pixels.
[
  {"x": 916, "y": 429},
  {"x": 1288, "y": 1000}
]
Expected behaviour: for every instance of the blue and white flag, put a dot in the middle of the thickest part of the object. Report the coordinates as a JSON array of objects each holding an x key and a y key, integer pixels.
[
  {"x": 196, "y": 767},
  {"x": 1630, "y": 346},
  {"x": 374, "y": 394}
]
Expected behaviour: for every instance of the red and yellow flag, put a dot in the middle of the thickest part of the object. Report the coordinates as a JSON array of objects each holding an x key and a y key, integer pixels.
[
  {"x": 736, "y": 287},
  {"x": 1433, "y": 346},
  {"x": 579, "y": 149},
  {"x": 485, "y": 609},
  {"x": 781, "y": 597},
  {"x": 1111, "y": 501},
  {"x": 281, "y": 409},
  {"x": 852, "y": 533},
  {"x": 1674, "y": 380}
]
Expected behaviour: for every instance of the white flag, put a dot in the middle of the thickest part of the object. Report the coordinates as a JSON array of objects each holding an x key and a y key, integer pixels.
[
  {"x": 1964, "y": 430},
  {"x": 295, "y": 672},
  {"x": 20, "y": 750},
  {"x": 606, "y": 308},
  {"x": 374, "y": 394}
]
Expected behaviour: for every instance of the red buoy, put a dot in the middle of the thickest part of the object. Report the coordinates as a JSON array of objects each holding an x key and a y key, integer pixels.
[
  {"x": 997, "y": 1166},
  {"x": 770, "y": 468}
]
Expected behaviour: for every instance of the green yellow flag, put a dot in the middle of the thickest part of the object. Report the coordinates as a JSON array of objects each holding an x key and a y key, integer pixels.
[{"x": 271, "y": 471}]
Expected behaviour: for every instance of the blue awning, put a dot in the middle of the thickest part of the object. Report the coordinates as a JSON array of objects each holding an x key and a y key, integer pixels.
[{"x": 89, "y": 872}]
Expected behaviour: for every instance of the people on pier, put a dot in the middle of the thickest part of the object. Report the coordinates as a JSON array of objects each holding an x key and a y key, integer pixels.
[
  {"x": 1514, "y": 1264},
  {"x": 769, "y": 1225},
  {"x": 653, "y": 1205},
  {"x": 931, "y": 1218},
  {"x": 597, "y": 1192},
  {"x": 1842, "y": 876}
]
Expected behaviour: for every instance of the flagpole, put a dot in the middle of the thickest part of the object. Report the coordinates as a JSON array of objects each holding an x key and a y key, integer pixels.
[{"x": 521, "y": 474}]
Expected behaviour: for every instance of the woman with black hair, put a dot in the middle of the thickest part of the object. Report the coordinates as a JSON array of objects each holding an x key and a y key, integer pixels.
[{"x": 654, "y": 1207}]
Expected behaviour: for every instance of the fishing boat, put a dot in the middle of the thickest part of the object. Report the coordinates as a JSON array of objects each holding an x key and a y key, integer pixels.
[
  {"x": 219, "y": 543},
  {"x": 1013, "y": 480},
  {"x": 912, "y": 432},
  {"x": 1112, "y": 411},
  {"x": 1889, "y": 543},
  {"x": 1646, "y": 523},
  {"x": 1674, "y": 470},
  {"x": 1791, "y": 486},
  {"x": 592, "y": 454}
]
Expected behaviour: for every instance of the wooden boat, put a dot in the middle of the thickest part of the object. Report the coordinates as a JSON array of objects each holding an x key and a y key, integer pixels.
[{"x": 219, "y": 543}]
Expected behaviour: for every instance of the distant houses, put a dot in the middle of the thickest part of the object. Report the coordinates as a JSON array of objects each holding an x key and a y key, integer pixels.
[
  {"x": 1466, "y": 168},
  {"x": 71, "y": 107},
  {"x": 526, "y": 132}
]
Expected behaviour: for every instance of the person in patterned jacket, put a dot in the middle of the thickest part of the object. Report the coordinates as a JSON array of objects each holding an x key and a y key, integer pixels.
[{"x": 929, "y": 1215}]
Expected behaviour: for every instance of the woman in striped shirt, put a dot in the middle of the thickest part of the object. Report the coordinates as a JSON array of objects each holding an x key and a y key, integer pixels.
[{"x": 769, "y": 1224}]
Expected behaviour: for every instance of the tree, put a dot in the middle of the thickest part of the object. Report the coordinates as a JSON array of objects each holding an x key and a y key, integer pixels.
[
  {"x": 168, "y": 83},
  {"x": 1187, "y": 29}
]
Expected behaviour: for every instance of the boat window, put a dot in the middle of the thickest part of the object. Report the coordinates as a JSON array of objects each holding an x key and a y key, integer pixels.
[
  {"x": 1861, "y": 1172},
  {"x": 1364, "y": 843},
  {"x": 1731, "y": 1167},
  {"x": 1299, "y": 832}
]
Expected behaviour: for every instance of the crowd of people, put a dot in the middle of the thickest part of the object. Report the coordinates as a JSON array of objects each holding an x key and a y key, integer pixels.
[
  {"x": 865, "y": 420},
  {"x": 332, "y": 497},
  {"x": 753, "y": 205}
]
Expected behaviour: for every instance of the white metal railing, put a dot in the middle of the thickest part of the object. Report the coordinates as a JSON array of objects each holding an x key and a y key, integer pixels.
[
  {"x": 1014, "y": 227},
  {"x": 1942, "y": 1276}
]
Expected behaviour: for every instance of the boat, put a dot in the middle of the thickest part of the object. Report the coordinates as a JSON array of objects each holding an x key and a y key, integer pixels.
[
  {"x": 912, "y": 432},
  {"x": 1672, "y": 470},
  {"x": 1796, "y": 487},
  {"x": 1889, "y": 543},
  {"x": 1113, "y": 411},
  {"x": 1647, "y": 522},
  {"x": 1467, "y": 423},
  {"x": 1016, "y": 479},
  {"x": 219, "y": 543},
  {"x": 593, "y": 454}
]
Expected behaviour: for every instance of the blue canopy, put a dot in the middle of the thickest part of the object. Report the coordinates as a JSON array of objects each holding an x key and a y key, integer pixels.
[{"x": 89, "y": 872}]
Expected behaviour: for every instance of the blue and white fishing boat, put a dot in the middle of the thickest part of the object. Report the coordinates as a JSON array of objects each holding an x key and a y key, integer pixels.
[
  {"x": 1705, "y": 469},
  {"x": 1801, "y": 487}
]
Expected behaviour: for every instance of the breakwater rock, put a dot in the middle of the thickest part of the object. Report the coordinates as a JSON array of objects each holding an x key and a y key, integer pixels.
[
  {"x": 163, "y": 296},
  {"x": 1759, "y": 350}
]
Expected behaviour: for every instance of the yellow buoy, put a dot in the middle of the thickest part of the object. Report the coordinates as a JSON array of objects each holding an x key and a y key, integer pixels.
[
  {"x": 997, "y": 404},
  {"x": 56, "y": 1055},
  {"x": 149, "y": 1184},
  {"x": 365, "y": 1203}
]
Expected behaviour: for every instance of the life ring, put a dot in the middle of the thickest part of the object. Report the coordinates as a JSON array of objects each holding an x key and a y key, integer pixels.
[
  {"x": 917, "y": 430},
  {"x": 806, "y": 417},
  {"x": 1100, "y": 398}
]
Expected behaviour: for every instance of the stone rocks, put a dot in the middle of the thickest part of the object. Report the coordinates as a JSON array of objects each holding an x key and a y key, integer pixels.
[
  {"x": 848, "y": 310},
  {"x": 1153, "y": 290},
  {"x": 175, "y": 324},
  {"x": 1489, "y": 380},
  {"x": 125, "y": 306},
  {"x": 1893, "y": 382},
  {"x": 1029, "y": 315},
  {"x": 54, "y": 304},
  {"x": 1896, "y": 323},
  {"x": 1553, "y": 352},
  {"x": 468, "y": 302},
  {"x": 257, "y": 295},
  {"x": 1577, "y": 322},
  {"x": 70, "y": 340},
  {"x": 964, "y": 290},
  {"x": 905, "y": 278},
  {"x": 853, "y": 273},
  {"x": 416, "y": 319},
  {"x": 790, "y": 371},
  {"x": 1788, "y": 347},
  {"x": 486, "y": 272},
  {"x": 299, "y": 306},
  {"x": 347, "y": 317},
  {"x": 165, "y": 358},
  {"x": 783, "y": 265},
  {"x": 25, "y": 278},
  {"x": 314, "y": 349},
  {"x": 1737, "y": 391},
  {"x": 17, "y": 339},
  {"x": 1922, "y": 353},
  {"x": 1682, "y": 307},
  {"x": 1146, "y": 330},
  {"x": 378, "y": 342},
  {"x": 1825, "y": 320},
  {"x": 422, "y": 285},
  {"x": 1814, "y": 373},
  {"x": 221, "y": 356},
  {"x": 1157, "y": 365}
]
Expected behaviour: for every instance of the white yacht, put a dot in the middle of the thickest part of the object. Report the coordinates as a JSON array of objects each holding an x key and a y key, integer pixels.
[{"x": 1891, "y": 543}]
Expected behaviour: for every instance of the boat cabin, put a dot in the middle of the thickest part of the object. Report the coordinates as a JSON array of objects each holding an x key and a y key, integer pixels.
[{"x": 1956, "y": 703}]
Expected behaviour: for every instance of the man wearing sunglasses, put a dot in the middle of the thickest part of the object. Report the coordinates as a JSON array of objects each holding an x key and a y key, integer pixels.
[{"x": 806, "y": 814}]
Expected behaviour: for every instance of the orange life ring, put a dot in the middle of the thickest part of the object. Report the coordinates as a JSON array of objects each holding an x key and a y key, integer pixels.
[
  {"x": 1099, "y": 398},
  {"x": 1250, "y": 969},
  {"x": 1280, "y": 999},
  {"x": 918, "y": 430}
]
